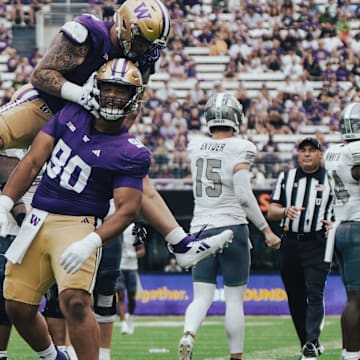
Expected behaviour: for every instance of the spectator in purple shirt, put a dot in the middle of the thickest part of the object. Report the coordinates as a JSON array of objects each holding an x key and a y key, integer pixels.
[{"x": 342, "y": 72}]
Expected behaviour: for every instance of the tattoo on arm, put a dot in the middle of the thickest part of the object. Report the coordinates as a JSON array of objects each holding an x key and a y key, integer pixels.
[{"x": 61, "y": 58}]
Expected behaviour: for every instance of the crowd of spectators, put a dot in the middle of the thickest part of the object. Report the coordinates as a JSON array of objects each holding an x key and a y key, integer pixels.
[
  {"x": 315, "y": 45},
  {"x": 22, "y": 12}
]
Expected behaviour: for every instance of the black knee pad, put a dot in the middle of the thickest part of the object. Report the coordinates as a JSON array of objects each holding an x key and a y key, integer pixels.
[
  {"x": 104, "y": 305},
  {"x": 5, "y": 242},
  {"x": 52, "y": 305}
]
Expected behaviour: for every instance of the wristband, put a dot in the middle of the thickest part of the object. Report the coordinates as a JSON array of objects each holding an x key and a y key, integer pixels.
[
  {"x": 6, "y": 202},
  {"x": 72, "y": 92}
]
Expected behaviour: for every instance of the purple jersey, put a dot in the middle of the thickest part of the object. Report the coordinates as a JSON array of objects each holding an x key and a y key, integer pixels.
[
  {"x": 86, "y": 165},
  {"x": 101, "y": 51}
]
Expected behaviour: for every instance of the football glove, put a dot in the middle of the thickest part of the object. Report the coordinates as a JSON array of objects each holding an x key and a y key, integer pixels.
[
  {"x": 140, "y": 233},
  {"x": 85, "y": 95},
  {"x": 77, "y": 253},
  {"x": 149, "y": 57},
  {"x": 6, "y": 204},
  {"x": 88, "y": 98}
]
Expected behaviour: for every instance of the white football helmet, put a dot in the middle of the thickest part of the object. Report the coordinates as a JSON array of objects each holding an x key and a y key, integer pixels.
[
  {"x": 121, "y": 72},
  {"x": 350, "y": 122},
  {"x": 223, "y": 109}
]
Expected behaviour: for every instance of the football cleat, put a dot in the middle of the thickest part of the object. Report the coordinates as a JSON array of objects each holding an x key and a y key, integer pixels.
[
  {"x": 309, "y": 352},
  {"x": 320, "y": 348},
  {"x": 129, "y": 323},
  {"x": 124, "y": 328},
  {"x": 186, "y": 345},
  {"x": 70, "y": 351},
  {"x": 61, "y": 355},
  {"x": 190, "y": 250}
]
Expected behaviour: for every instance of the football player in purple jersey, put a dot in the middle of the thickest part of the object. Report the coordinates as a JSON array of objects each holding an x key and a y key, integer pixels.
[
  {"x": 88, "y": 161},
  {"x": 139, "y": 31}
]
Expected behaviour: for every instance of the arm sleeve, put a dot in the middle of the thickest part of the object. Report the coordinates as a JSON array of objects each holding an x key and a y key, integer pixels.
[{"x": 247, "y": 200}]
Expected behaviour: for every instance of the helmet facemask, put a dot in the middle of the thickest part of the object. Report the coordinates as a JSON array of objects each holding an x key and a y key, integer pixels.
[
  {"x": 350, "y": 122},
  {"x": 121, "y": 88},
  {"x": 115, "y": 107}
]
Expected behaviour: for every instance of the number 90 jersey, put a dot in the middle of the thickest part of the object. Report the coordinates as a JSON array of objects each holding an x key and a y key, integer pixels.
[
  {"x": 339, "y": 160},
  {"x": 212, "y": 165},
  {"x": 85, "y": 165}
]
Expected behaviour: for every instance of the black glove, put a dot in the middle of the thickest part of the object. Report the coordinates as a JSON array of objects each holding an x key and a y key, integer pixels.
[
  {"x": 149, "y": 58},
  {"x": 140, "y": 233}
]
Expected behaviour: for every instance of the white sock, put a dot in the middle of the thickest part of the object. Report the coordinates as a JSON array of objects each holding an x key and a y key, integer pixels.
[
  {"x": 3, "y": 354},
  {"x": 49, "y": 353},
  {"x": 175, "y": 236},
  {"x": 234, "y": 317},
  {"x": 104, "y": 354},
  {"x": 71, "y": 352},
  {"x": 197, "y": 309},
  {"x": 347, "y": 355}
]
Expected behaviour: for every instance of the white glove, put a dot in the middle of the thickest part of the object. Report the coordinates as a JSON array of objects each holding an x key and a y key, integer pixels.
[
  {"x": 77, "y": 253},
  {"x": 6, "y": 204},
  {"x": 83, "y": 95}
]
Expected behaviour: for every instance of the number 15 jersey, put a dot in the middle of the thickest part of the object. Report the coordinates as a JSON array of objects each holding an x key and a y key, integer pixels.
[{"x": 212, "y": 165}]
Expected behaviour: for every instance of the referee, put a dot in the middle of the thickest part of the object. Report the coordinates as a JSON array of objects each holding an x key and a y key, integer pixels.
[{"x": 301, "y": 200}]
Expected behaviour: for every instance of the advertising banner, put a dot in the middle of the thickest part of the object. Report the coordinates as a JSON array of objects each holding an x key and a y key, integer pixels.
[{"x": 169, "y": 294}]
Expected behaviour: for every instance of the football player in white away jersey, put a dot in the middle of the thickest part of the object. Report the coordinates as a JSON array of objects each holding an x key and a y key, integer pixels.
[
  {"x": 220, "y": 167},
  {"x": 342, "y": 162}
]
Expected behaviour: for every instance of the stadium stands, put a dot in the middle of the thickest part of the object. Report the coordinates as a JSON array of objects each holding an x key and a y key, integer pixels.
[{"x": 302, "y": 97}]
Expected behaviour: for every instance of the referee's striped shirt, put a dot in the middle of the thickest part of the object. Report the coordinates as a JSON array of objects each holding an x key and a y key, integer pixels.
[{"x": 310, "y": 191}]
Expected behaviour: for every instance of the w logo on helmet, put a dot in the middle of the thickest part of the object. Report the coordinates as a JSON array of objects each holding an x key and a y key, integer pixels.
[{"x": 142, "y": 12}]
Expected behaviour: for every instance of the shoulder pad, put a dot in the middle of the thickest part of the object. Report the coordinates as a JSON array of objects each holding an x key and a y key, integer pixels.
[
  {"x": 354, "y": 149},
  {"x": 353, "y": 146},
  {"x": 75, "y": 32}
]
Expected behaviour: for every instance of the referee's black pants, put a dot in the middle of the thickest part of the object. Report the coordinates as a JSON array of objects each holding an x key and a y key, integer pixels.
[{"x": 304, "y": 274}]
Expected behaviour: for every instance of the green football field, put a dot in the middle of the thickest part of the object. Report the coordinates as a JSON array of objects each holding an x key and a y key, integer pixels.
[{"x": 156, "y": 338}]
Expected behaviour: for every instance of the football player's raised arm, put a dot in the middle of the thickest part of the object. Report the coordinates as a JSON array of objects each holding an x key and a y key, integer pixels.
[
  {"x": 127, "y": 206},
  {"x": 62, "y": 57},
  {"x": 29, "y": 166}
]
